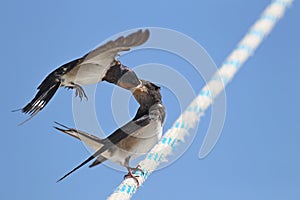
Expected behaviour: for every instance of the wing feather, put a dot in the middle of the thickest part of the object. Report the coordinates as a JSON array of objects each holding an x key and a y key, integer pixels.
[
  {"x": 105, "y": 54},
  {"x": 122, "y": 43}
]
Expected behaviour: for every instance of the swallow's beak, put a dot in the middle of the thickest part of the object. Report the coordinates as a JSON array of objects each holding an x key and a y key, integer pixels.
[
  {"x": 129, "y": 81},
  {"x": 140, "y": 90}
]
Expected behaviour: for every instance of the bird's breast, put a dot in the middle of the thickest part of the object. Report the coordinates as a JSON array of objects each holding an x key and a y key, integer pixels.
[
  {"x": 137, "y": 144},
  {"x": 85, "y": 74},
  {"x": 142, "y": 140}
]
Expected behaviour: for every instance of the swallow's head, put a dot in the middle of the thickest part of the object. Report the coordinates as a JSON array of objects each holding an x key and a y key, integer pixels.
[{"x": 147, "y": 93}]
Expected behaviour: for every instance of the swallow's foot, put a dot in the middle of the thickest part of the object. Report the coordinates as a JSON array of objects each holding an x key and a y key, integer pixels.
[
  {"x": 79, "y": 91},
  {"x": 130, "y": 175},
  {"x": 135, "y": 169}
]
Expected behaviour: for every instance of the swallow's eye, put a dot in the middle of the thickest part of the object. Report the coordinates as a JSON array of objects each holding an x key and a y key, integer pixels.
[{"x": 155, "y": 86}]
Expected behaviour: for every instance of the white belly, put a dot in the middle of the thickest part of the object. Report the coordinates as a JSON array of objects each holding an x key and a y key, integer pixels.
[
  {"x": 86, "y": 74},
  {"x": 143, "y": 141}
]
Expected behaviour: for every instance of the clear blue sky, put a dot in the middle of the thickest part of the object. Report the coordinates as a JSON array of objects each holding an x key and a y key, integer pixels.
[{"x": 257, "y": 156}]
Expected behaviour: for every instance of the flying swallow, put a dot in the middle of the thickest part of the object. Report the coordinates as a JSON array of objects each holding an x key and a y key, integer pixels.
[
  {"x": 98, "y": 65},
  {"x": 131, "y": 140}
]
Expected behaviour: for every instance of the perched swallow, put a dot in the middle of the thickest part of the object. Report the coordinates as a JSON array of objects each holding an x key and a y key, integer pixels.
[
  {"x": 98, "y": 65},
  {"x": 131, "y": 140}
]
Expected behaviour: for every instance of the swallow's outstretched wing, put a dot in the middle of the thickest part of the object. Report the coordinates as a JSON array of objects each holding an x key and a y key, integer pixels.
[{"x": 89, "y": 69}]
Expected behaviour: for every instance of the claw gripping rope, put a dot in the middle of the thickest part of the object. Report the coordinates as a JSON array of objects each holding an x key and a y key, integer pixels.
[{"x": 189, "y": 118}]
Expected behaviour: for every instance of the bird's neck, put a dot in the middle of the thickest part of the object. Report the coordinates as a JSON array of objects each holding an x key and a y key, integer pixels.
[{"x": 145, "y": 109}]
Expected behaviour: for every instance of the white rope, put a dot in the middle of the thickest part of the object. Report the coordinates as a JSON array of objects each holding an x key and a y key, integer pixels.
[{"x": 189, "y": 118}]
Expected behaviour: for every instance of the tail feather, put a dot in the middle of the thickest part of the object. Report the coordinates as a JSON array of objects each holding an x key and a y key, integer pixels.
[
  {"x": 46, "y": 92},
  {"x": 41, "y": 99},
  {"x": 95, "y": 155},
  {"x": 73, "y": 170},
  {"x": 70, "y": 131},
  {"x": 100, "y": 159},
  {"x": 90, "y": 140}
]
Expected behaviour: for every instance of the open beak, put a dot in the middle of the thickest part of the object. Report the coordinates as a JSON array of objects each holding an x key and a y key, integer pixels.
[{"x": 140, "y": 90}]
